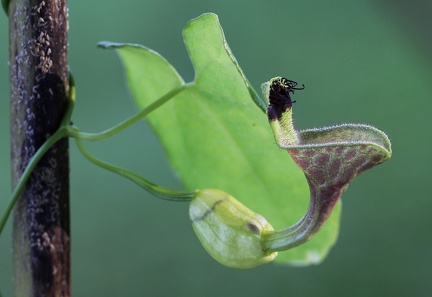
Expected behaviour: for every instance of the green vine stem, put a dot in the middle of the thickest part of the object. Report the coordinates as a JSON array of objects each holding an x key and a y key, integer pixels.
[
  {"x": 330, "y": 158},
  {"x": 128, "y": 122},
  {"x": 67, "y": 130},
  {"x": 61, "y": 133},
  {"x": 158, "y": 191}
]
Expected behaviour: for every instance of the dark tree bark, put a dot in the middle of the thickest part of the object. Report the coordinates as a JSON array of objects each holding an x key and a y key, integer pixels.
[{"x": 39, "y": 88}]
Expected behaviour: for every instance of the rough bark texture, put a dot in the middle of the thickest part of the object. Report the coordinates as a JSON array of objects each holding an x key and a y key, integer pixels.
[{"x": 39, "y": 88}]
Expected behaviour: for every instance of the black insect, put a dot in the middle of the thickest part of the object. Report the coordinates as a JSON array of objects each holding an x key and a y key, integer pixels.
[{"x": 279, "y": 96}]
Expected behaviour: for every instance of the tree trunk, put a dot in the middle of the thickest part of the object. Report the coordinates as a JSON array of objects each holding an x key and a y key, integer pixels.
[{"x": 39, "y": 88}]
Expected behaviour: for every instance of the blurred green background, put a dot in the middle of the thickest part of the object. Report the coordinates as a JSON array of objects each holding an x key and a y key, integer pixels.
[{"x": 361, "y": 61}]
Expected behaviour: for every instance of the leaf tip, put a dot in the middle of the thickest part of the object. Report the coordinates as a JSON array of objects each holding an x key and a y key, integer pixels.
[
  {"x": 107, "y": 44},
  {"x": 204, "y": 16},
  {"x": 117, "y": 45}
]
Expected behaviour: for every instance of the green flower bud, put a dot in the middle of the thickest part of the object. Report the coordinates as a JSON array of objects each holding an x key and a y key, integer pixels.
[{"x": 229, "y": 231}]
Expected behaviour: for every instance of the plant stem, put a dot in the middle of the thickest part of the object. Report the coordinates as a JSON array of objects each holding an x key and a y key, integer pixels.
[
  {"x": 297, "y": 234},
  {"x": 128, "y": 122},
  {"x": 67, "y": 130},
  {"x": 27, "y": 172},
  {"x": 158, "y": 191},
  {"x": 152, "y": 188},
  {"x": 39, "y": 89}
]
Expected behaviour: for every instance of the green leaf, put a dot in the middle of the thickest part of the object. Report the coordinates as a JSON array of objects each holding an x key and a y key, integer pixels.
[{"x": 216, "y": 137}]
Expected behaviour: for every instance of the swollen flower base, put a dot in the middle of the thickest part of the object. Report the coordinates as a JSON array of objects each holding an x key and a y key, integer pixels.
[{"x": 229, "y": 231}]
